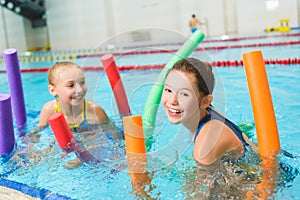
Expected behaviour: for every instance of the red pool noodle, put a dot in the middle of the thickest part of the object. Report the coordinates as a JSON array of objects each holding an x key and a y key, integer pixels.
[
  {"x": 60, "y": 129},
  {"x": 66, "y": 140},
  {"x": 116, "y": 83}
]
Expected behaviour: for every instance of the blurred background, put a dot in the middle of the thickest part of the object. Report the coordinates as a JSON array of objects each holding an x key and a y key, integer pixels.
[{"x": 70, "y": 24}]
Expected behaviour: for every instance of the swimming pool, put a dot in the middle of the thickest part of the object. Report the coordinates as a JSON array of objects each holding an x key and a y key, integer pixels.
[{"x": 171, "y": 157}]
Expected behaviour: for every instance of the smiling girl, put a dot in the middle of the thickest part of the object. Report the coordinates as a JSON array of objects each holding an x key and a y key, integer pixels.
[
  {"x": 187, "y": 98},
  {"x": 67, "y": 84}
]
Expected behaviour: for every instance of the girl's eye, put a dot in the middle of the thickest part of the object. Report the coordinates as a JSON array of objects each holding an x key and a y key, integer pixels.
[
  {"x": 70, "y": 85},
  {"x": 167, "y": 90},
  {"x": 184, "y": 94}
]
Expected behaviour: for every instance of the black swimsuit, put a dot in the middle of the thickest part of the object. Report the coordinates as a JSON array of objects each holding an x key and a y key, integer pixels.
[{"x": 212, "y": 114}]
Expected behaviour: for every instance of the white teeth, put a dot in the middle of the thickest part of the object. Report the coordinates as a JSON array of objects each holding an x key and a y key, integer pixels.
[
  {"x": 76, "y": 97},
  {"x": 174, "y": 111}
]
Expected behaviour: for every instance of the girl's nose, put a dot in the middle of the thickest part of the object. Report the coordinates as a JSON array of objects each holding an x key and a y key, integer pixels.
[
  {"x": 78, "y": 88},
  {"x": 173, "y": 99}
]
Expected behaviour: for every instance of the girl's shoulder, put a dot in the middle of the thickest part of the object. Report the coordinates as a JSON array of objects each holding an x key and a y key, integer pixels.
[
  {"x": 91, "y": 105},
  {"x": 214, "y": 140},
  {"x": 47, "y": 110},
  {"x": 96, "y": 111},
  {"x": 50, "y": 105}
]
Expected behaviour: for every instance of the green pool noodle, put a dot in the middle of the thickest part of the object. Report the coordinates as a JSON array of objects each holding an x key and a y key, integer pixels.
[
  {"x": 247, "y": 128},
  {"x": 153, "y": 100}
]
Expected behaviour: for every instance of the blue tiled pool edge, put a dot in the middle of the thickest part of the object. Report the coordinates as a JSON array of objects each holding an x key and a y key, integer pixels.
[{"x": 33, "y": 192}]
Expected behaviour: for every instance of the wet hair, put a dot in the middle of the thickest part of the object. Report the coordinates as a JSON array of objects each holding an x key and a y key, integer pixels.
[
  {"x": 201, "y": 71},
  {"x": 52, "y": 71}
]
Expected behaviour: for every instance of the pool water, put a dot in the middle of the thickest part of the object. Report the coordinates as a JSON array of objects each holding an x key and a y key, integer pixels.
[{"x": 174, "y": 174}]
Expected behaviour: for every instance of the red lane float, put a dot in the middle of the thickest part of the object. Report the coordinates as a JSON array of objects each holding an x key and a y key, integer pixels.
[
  {"x": 75, "y": 54},
  {"x": 116, "y": 83},
  {"x": 228, "y": 63},
  {"x": 222, "y": 47},
  {"x": 218, "y": 40},
  {"x": 66, "y": 140},
  {"x": 156, "y": 51}
]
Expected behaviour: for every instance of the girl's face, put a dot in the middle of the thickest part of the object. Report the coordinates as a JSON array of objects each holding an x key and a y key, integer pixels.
[
  {"x": 71, "y": 86},
  {"x": 180, "y": 97}
]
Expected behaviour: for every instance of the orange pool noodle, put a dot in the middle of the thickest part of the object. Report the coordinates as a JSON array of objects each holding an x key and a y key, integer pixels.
[
  {"x": 268, "y": 181},
  {"x": 262, "y": 106},
  {"x": 134, "y": 134}
]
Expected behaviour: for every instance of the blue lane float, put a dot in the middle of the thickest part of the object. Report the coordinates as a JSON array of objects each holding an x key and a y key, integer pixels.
[
  {"x": 10, "y": 57},
  {"x": 7, "y": 137}
]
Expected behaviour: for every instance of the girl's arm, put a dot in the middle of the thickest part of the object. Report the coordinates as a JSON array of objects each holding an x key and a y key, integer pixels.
[
  {"x": 214, "y": 140},
  {"x": 46, "y": 111}
]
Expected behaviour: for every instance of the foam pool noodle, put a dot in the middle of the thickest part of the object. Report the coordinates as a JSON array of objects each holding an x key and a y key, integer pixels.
[
  {"x": 262, "y": 106},
  {"x": 66, "y": 140},
  {"x": 134, "y": 135},
  {"x": 136, "y": 152},
  {"x": 11, "y": 61},
  {"x": 7, "y": 137},
  {"x": 265, "y": 122},
  {"x": 116, "y": 83}
]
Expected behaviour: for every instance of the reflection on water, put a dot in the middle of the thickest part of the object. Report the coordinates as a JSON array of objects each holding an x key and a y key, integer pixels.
[
  {"x": 227, "y": 179},
  {"x": 38, "y": 162}
]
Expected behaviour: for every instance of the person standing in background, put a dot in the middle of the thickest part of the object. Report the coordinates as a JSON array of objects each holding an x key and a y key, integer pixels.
[{"x": 194, "y": 22}]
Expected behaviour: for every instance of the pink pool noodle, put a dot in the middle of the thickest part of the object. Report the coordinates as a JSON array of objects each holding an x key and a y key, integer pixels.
[
  {"x": 7, "y": 137},
  {"x": 15, "y": 85},
  {"x": 116, "y": 83}
]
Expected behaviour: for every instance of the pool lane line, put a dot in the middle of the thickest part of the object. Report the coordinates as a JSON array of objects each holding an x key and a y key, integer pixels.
[
  {"x": 51, "y": 57},
  {"x": 215, "y": 48},
  {"x": 223, "y": 63},
  {"x": 233, "y": 39}
]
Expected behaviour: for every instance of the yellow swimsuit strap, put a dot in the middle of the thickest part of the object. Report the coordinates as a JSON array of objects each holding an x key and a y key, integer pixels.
[{"x": 84, "y": 112}]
